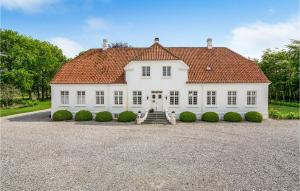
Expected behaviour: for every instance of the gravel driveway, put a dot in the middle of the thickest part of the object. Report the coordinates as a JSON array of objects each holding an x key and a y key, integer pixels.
[{"x": 37, "y": 154}]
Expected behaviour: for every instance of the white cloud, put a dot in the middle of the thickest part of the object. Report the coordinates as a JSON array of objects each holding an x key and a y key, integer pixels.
[
  {"x": 96, "y": 23},
  {"x": 26, "y": 5},
  {"x": 251, "y": 40},
  {"x": 69, "y": 47}
]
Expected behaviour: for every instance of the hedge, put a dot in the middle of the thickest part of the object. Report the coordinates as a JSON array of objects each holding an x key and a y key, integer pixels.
[
  {"x": 127, "y": 116},
  {"x": 253, "y": 116},
  {"x": 233, "y": 117},
  {"x": 62, "y": 115},
  {"x": 83, "y": 115},
  {"x": 103, "y": 116},
  {"x": 187, "y": 117},
  {"x": 210, "y": 117}
]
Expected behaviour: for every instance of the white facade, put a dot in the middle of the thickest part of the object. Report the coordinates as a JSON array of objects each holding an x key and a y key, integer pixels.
[{"x": 159, "y": 92}]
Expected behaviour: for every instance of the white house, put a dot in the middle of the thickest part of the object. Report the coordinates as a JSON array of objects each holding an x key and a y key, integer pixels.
[{"x": 197, "y": 79}]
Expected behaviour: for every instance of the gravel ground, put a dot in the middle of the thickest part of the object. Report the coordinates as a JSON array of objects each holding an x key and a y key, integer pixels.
[{"x": 37, "y": 154}]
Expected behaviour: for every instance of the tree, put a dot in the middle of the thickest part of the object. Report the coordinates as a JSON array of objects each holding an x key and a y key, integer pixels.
[
  {"x": 29, "y": 64},
  {"x": 8, "y": 92},
  {"x": 282, "y": 69},
  {"x": 120, "y": 45}
]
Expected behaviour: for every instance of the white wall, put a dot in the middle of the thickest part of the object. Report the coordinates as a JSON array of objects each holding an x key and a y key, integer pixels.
[{"x": 156, "y": 82}]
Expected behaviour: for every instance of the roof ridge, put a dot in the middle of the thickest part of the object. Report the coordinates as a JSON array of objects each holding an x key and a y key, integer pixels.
[{"x": 146, "y": 50}]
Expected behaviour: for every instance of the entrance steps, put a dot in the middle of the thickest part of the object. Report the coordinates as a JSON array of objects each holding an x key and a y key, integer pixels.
[{"x": 157, "y": 117}]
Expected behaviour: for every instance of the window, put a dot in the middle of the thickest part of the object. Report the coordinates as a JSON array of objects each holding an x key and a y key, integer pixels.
[
  {"x": 174, "y": 97},
  {"x": 64, "y": 97},
  {"x": 80, "y": 97},
  {"x": 145, "y": 70},
  {"x": 137, "y": 97},
  {"x": 167, "y": 71},
  {"x": 211, "y": 98},
  {"x": 251, "y": 97},
  {"x": 193, "y": 97},
  {"x": 231, "y": 99},
  {"x": 118, "y": 95},
  {"x": 100, "y": 97}
]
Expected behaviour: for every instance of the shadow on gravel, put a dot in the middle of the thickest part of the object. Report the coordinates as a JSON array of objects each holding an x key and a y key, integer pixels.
[{"x": 35, "y": 117}]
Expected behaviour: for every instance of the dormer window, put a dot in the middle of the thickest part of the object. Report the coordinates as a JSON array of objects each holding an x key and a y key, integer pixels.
[
  {"x": 146, "y": 71},
  {"x": 167, "y": 71}
]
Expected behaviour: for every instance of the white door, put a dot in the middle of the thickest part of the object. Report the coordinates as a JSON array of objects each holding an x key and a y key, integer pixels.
[{"x": 157, "y": 100}]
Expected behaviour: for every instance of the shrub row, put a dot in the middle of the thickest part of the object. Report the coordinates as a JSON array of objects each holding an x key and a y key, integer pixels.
[
  {"x": 274, "y": 114},
  {"x": 84, "y": 115},
  {"x": 284, "y": 103},
  {"x": 252, "y": 116}
]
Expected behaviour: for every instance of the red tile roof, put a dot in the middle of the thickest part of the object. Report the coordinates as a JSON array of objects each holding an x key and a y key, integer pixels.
[{"x": 97, "y": 66}]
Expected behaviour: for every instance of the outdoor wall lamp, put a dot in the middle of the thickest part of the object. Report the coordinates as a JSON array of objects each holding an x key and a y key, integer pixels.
[{"x": 166, "y": 97}]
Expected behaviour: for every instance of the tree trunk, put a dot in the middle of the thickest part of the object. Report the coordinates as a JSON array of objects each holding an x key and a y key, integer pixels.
[
  {"x": 29, "y": 94},
  {"x": 43, "y": 93}
]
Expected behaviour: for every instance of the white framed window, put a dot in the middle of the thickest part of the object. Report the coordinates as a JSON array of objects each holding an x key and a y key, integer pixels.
[
  {"x": 118, "y": 97},
  {"x": 137, "y": 97},
  {"x": 251, "y": 97},
  {"x": 174, "y": 97},
  {"x": 231, "y": 97},
  {"x": 167, "y": 71},
  {"x": 64, "y": 97},
  {"x": 211, "y": 98},
  {"x": 80, "y": 97},
  {"x": 146, "y": 71},
  {"x": 100, "y": 97},
  {"x": 193, "y": 97}
]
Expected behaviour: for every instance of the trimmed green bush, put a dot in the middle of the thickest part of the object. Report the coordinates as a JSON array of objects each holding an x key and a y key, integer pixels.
[
  {"x": 62, "y": 115},
  {"x": 210, "y": 117},
  {"x": 103, "y": 116},
  {"x": 126, "y": 116},
  {"x": 83, "y": 115},
  {"x": 233, "y": 117},
  {"x": 253, "y": 116},
  {"x": 187, "y": 117}
]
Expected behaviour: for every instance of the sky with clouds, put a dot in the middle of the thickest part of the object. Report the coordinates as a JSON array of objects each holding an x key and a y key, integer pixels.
[{"x": 247, "y": 27}]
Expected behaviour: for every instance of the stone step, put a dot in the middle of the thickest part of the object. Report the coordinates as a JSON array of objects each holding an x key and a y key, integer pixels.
[
  {"x": 156, "y": 122},
  {"x": 156, "y": 117}
]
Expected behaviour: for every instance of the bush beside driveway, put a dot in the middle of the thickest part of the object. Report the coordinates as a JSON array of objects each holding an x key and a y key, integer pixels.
[{"x": 47, "y": 155}]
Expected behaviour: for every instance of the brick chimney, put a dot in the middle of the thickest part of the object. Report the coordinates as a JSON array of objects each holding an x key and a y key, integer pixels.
[
  {"x": 105, "y": 44},
  {"x": 209, "y": 43}
]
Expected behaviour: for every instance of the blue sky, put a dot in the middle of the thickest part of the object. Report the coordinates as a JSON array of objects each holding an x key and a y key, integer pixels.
[{"x": 248, "y": 26}]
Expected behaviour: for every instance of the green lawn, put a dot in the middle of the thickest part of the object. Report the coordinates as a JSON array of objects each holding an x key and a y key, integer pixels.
[
  {"x": 41, "y": 105},
  {"x": 283, "y": 109}
]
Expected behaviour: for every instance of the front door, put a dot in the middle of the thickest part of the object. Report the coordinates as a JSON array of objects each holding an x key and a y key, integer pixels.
[{"x": 157, "y": 100}]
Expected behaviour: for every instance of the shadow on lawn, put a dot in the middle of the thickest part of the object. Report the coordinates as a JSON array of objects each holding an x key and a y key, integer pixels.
[{"x": 34, "y": 117}]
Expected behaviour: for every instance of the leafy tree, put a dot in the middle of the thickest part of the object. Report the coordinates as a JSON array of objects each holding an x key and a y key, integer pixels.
[
  {"x": 29, "y": 64},
  {"x": 8, "y": 93},
  {"x": 282, "y": 69},
  {"x": 120, "y": 45}
]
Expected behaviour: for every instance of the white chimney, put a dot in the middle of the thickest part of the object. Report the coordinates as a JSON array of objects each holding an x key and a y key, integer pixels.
[
  {"x": 105, "y": 44},
  {"x": 156, "y": 40},
  {"x": 209, "y": 43}
]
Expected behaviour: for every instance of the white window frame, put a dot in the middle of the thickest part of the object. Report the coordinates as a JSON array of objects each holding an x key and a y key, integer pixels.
[
  {"x": 118, "y": 97},
  {"x": 146, "y": 71},
  {"x": 80, "y": 95},
  {"x": 232, "y": 98},
  {"x": 174, "y": 97},
  {"x": 251, "y": 97},
  {"x": 210, "y": 98},
  {"x": 100, "y": 97},
  {"x": 192, "y": 97},
  {"x": 64, "y": 97},
  {"x": 137, "y": 97},
  {"x": 167, "y": 71}
]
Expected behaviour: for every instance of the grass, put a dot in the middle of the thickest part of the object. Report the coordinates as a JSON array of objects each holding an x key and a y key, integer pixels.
[
  {"x": 12, "y": 111},
  {"x": 284, "y": 109},
  {"x": 283, "y": 112}
]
